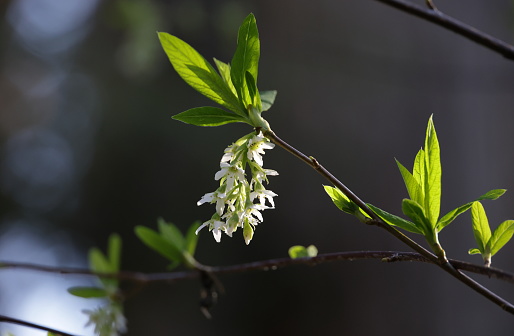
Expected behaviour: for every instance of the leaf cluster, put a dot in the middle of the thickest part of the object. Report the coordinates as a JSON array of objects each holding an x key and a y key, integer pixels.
[
  {"x": 169, "y": 242},
  {"x": 233, "y": 86}
]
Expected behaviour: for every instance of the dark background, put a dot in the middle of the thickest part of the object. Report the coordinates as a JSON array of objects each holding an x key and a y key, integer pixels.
[{"x": 88, "y": 148}]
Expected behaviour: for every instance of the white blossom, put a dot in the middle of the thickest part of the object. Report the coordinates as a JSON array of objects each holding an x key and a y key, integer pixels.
[{"x": 108, "y": 320}]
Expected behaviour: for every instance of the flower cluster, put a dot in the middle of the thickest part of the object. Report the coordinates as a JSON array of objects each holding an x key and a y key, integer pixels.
[
  {"x": 108, "y": 320},
  {"x": 239, "y": 202}
]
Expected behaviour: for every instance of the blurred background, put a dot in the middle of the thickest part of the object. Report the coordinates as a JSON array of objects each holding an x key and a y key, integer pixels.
[{"x": 87, "y": 147}]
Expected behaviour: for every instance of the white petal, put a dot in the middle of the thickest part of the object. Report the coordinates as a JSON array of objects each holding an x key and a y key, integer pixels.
[
  {"x": 202, "y": 226},
  {"x": 217, "y": 235}
]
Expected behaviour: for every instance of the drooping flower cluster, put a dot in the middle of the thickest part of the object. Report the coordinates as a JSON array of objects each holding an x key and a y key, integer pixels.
[
  {"x": 239, "y": 202},
  {"x": 108, "y": 320}
]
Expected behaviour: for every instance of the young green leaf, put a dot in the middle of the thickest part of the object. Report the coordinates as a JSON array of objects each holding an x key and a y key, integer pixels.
[
  {"x": 481, "y": 229},
  {"x": 192, "y": 238},
  {"x": 340, "y": 200},
  {"x": 267, "y": 99},
  {"x": 100, "y": 264},
  {"x": 395, "y": 220},
  {"x": 154, "y": 241},
  {"x": 299, "y": 251},
  {"x": 432, "y": 175},
  {"x": 246, "y": 58},
  {"x": 501, "y": 236},
  {"x": 474, "y": 251},
  {"x": 172, "y": 234},
  {"x": 208, "y": 116},
  {"x": 224, "y": 70},
  {"x": 198, "y": 73},
  {"x": 416, "y": 213},
  {"x": 88, "y": 292},
  {"x": 418, "y": 171},
  {"x": 114, "y": 251},
  {"x": 413, "y": 187},
  {"x": 252, "y": 90},
  {"x": 452, "y": 215}
]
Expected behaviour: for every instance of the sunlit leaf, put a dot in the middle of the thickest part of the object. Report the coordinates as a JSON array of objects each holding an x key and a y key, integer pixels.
[
  {"x": 413, "y": 187},
  {"x": 208, "y": 116},
  {"x": 114, "y": 251},
  {"x": 474, "y": 251},
  {"x": 481, "y": 229},
  {"x": 198, "y": 73},
  {"x": 172, "y": 234},
  {"x": 156, "y": 242},
  {"x": 246, "y": 58},
  {"x": 299, "y": 251},
  {"x": 416, "y": 213},
  {"x": 432, "y": 175},
  {"x": 395, "y": 220},
  {"x": 501, "y": 236}
]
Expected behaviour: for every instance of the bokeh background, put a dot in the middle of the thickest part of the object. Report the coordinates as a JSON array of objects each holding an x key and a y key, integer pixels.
[{"x": 88, "y": 148}]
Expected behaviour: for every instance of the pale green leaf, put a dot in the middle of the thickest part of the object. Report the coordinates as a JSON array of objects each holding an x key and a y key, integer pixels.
[
  {"x": 156, "y": 242},
  {"x": 267, "y": 99},
  {"x": 88, "y": 292},
  {"x": 192, "y": 238},
  {"x": 395, "y": 220},
  {"x": 450, "y": 216},
  {"x": 198, "y": 73},
  {"x": 413, "y": 187},
  {"x": 208, "y": 116},
  {"x": 172, "y": 234},
  {"x": 501, "y": 236},
  {"x": 341, "y": 201},
  {"x": 418, "y": 170},
  {"x": 481, "y": 229},
  {"x": 474, "y": 251},
  {"x": 299, "y": 251},
  {"x": 114, "y": 251},
  {"x": 246, "y": 58},
  {"x": 416, "y": 213},
  {"x": 224, "y": 70},
  {"x": 433, "y": 175},
  {"x": 98, "y": 263}
]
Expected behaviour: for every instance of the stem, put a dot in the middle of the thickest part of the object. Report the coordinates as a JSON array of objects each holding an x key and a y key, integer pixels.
[
  {"x": 439, "y": 18},
  {"x": 441, "y": 262},
  {"x": 6, "y": 319}
]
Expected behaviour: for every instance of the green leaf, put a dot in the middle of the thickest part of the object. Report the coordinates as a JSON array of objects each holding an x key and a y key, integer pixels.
[
  {"x": 192, "y": 238},
  {"x": 395, "y": 220},
  {"x": 452, "y": 215},
  {"x": 224, "y": 70},
  {"x": 208, "y": 116},
  {"x": 197, "y": 72},
  {"x": 172, "y": 234},
  {"x": 501, "y": 236},
  {"x": 413, "y": 187},
  {"x": 481, "y": 229},
  {"x": 492, "y": 194},
  {"x": 246, "y": 58},
  {"x": 433, "y": 175},
  {"x": 252, "y": 91},
  {"x": 416, "y": 213},
  {"x": 114, "y": 251},
  {"x": 299, "y": 251},
  {"x": 418, "y": 170},
  {"x": 98, "y": 262},
  {"x": 474, "y": 251},
  {"x": 154, "y": 241},
  {"x": 341, "y": 200},
  {"x": 267, "y": 99},
  {"x": 88, "y": 292}
]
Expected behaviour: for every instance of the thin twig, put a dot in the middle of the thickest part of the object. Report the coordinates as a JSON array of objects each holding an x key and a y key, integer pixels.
[
  {"x": 443, "y": 263},
  {"x": 265, "y": 265},
  {"x": 6, "y": 319},
  {"x": 439, "y": 18}
]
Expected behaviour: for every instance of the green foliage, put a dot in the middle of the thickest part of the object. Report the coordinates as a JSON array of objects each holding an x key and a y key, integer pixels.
[
  {"x": 99, "y": 262},
  {"x": 170, "y": 242},
  {"x": 299, "y": 251},
  {"x": 424, "y": 189},
  {"x": 343, "y": 203},
  {"x": 488, "y": 244},
  {"x": 88, "y": 292},
  {"x": 234, "y": 86}
]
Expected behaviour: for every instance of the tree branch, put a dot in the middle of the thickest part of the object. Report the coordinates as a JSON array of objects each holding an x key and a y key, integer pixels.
[
  {"x": 439, "y": 18},
  {"x": 6, "y": 319},
  {"x": 441, "y": 262}
]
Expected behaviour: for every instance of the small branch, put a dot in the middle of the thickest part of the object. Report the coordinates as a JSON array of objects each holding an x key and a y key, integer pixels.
[
  {"x": 6, "y": 319},
  {"x": 266, "y": 265},
  {"x": 439, "y": 18},
  {"x": 443, "y": 262}
]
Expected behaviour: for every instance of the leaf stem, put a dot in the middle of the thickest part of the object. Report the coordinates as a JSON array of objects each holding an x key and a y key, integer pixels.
[{"x": 442, "y": 262}]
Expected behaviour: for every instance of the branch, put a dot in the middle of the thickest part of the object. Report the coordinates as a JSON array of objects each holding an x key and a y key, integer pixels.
[
  {"x": 439, "y": 18},
  {"x": 266, "y": 265},
  {"x": 6, "y": 319},
  {"x": 443, "y": 262}
]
